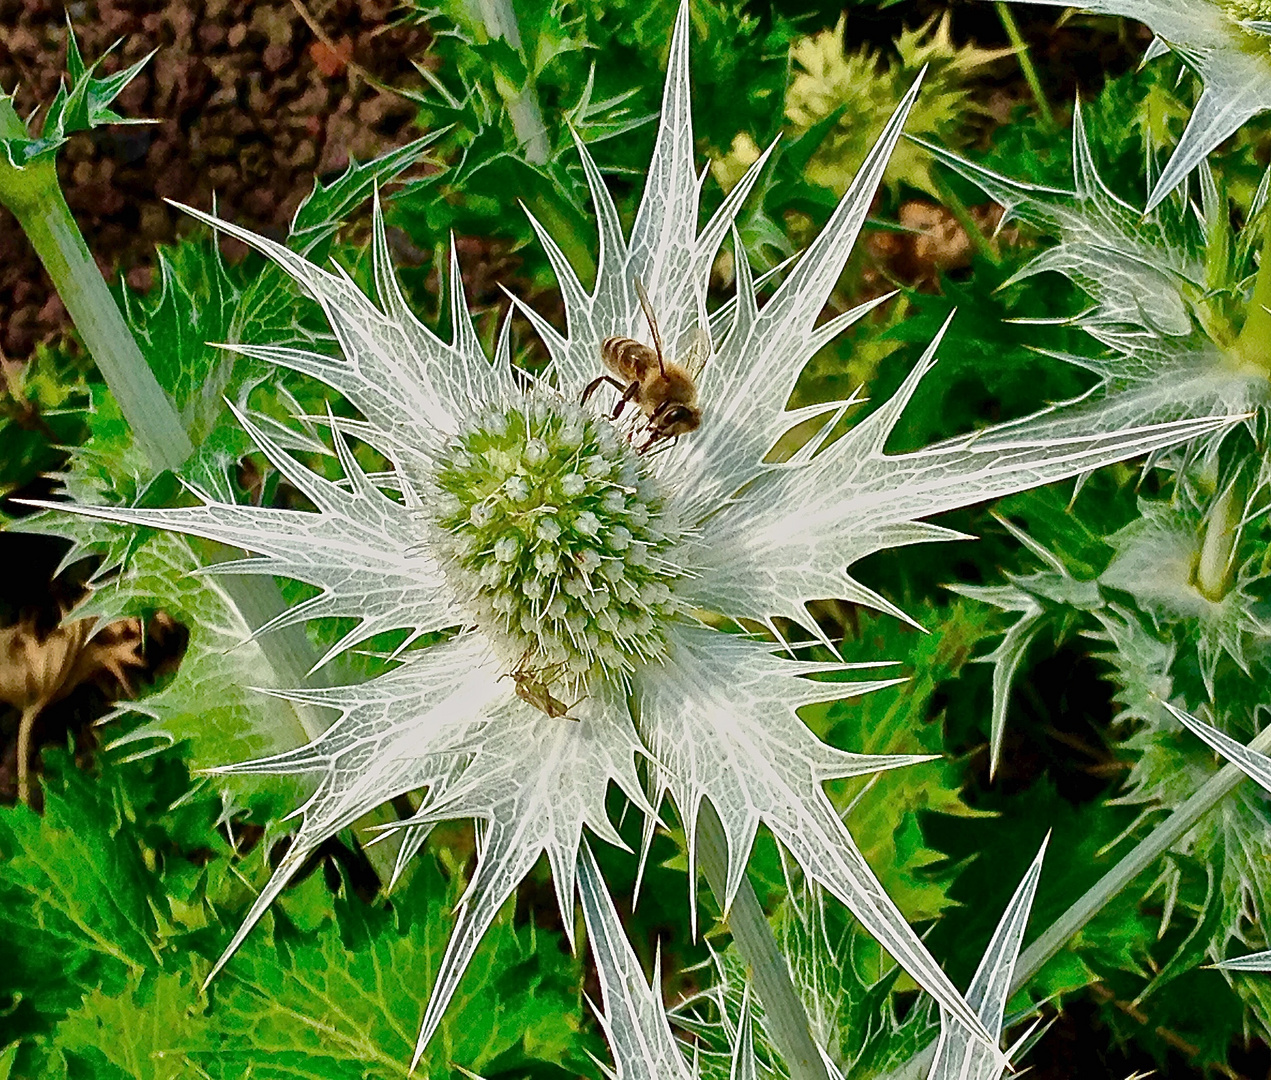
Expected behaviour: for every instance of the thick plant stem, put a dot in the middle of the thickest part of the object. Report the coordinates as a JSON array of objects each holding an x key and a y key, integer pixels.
[
  {"x": 35, "y": 197},
  {"x": 785, "y": 1019},
  {"x": 1026, "y": 64},
  {"x": 1149, "y": 849},
  {"x": 1254, "y": 343}
]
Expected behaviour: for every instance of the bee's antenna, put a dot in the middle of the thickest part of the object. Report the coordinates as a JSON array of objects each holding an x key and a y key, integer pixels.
[{"x": 653, "y": 323}]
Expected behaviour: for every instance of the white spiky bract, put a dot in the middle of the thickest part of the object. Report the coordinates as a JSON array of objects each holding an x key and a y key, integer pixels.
[
  {"x": 634, "y": 1018},
  {"x": 1232, "y": 57},
  {"x": 959, "y": 1057},
  {"x": 645, "y": 1048},
  {"x": 714, "y": 713},
  {"x": 1253, "y": 763}
]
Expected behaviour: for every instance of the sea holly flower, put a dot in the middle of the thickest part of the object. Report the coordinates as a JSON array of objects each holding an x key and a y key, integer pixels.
[
  {"x": 1226, "y": 44},
  {"x": 578, "y": 568}
]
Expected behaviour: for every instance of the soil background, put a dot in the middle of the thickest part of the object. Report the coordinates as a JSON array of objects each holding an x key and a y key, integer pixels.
[{"x": 251, "y": 101}]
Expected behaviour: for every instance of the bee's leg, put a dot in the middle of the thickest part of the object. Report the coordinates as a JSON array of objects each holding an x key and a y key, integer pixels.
[
  {"x": 661, "y": 442},
  {"x": 654, "y": 427},
  {"x": 627, "y": 395},
  {"x": 591, "y": 386}
]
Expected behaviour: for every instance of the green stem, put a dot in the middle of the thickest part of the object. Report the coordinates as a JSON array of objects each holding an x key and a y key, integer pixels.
[
  {"x": 1072, "y": 921},
  {"x": 1253, "y": 344},
  {"x": 785, "y": 1020},
  {"x": 499, "y": 19},
  {"x": 1026, "y": 64},
  {"x": 35, "y": 197},
  {"x": 1155, "y": 844}
]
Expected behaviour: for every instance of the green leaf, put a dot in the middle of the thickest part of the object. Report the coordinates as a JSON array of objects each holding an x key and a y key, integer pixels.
[
  {"x": 77, "y": 897},
  {"x": 43, "y": 405},
  {"x": 322, "y": 212},
  {"x": 139, "y": 1033},
  {"x": 202, "y": 305},
  {"x": 885, "y": 809},
  {"x": 336, "y": 1002},
  {"x": 80, "y": 106}
]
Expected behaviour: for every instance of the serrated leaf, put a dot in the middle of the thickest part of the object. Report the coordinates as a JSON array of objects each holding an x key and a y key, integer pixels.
[
  {"x": 138, "y": 1033},
  {"x": 211, "y": 705},
  {"x": 884, "y": 810},
  {"x": 80, "y": 106},
  {"x": 634, "y": 1018},
  {"x": 78, "y": 899},
  {"x": 331, "y": 1005},
  {"x": 1159, "y": 311},
  {"x": 321, "y": 213}
]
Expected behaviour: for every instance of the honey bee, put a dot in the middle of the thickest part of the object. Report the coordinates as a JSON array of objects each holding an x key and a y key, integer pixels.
[
  {"x": 534, "y": 688},
  {"x": 664, "y": 391}
]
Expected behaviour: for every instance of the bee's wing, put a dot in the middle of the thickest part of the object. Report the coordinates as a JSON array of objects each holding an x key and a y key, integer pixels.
[
  {"x": 647, "y": 307},
  {"x": 694, "y": 358}
]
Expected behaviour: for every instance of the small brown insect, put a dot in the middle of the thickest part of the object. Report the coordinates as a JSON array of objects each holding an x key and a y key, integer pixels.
[
  {"x": 534, "y": 688},
  {"x": 664, "y": 391}
]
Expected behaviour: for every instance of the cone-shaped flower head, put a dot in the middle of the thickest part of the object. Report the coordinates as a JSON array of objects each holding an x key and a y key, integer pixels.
[{"x": 575, "y": 555}]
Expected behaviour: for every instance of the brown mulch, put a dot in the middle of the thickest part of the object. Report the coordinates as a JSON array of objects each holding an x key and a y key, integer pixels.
[{"x": 251, "y": 104}]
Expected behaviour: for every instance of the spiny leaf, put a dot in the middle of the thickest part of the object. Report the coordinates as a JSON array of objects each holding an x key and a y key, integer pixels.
[
  {"x": 321, "y": 213},
  {"x": 79, "y": 106}
]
